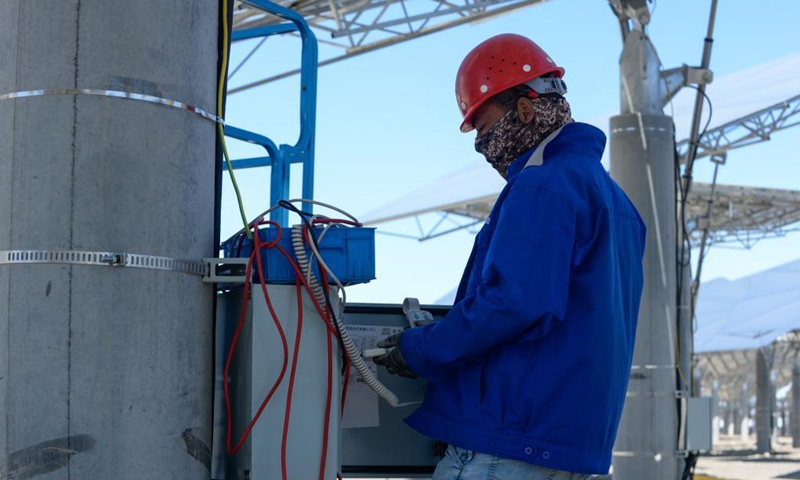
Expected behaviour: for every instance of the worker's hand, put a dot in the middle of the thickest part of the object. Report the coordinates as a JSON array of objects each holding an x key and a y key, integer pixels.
[{"x": 393, "y": 360}]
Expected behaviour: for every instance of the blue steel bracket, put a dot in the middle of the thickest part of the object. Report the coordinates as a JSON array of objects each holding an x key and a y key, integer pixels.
[
  {"x": 279, "y": 175},
  {"x": 281, "y": 158}
]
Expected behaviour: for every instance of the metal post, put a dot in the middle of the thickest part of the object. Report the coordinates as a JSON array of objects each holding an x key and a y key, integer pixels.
[
  {"x": 775, "y": 409},
  {"x": 784, "y": 429},
  {"x": 715, "y": 413},
  {"x": 699, "y": 98},
  {"x": 737, "y": 418},
  {"x": 685, "y": 343},
  {"x": 105, "y": 370},
  {"x": 730, "y": 419},
  {"x": 694, "y": 137},
  {"x": 763, "y": 404},
  {"x": 685, "y": 327},
  {"x": 642, "y": 162},
  {"x": 795, "y": 413},
  {"x": 745, "y": 425}
]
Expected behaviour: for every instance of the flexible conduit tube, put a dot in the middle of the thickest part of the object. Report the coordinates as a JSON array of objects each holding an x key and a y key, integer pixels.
[{"x": 319, "y": 293}]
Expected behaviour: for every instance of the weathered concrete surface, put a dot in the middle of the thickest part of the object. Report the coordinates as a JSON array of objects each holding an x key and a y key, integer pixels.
[
  {"x": 103, "y": 370},
  {"x": 647, "y": 436}
]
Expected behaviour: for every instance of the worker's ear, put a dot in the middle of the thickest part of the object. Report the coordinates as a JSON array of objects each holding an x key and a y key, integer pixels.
[{"x": 525, "y": 110}]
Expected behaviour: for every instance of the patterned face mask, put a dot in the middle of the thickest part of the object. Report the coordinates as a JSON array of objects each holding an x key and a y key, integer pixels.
[{"x": 510, "y": 137}]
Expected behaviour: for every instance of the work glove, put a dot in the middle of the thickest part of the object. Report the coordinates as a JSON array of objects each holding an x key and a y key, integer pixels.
[{"x": 393, "y": 360}]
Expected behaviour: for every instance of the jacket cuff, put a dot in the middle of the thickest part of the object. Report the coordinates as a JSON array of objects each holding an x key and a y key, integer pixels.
[{"x": 411, "y": 349}]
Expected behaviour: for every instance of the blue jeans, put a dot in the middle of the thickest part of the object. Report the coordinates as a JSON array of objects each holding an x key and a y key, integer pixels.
[{"x": 460, "y": 464}]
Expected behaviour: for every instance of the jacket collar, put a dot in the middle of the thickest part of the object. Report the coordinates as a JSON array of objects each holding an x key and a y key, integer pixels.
[{"x": 582, "y": 137}]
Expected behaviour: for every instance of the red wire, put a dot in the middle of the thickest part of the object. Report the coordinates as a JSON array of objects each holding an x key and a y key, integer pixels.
[
  {"x": 331, "y": 329},
  {"x": 329, "y": 401},
  {"x": 287, "y": 415},
  {"x": 257, "y": 254},
  {"x": 329, "y": 397}
]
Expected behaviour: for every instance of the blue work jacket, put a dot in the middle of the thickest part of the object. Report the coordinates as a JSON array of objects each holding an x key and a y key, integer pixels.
[{"x": 532, "y": 362}]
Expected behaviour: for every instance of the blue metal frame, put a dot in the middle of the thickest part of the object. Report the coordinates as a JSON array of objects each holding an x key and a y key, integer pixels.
[{"x": 281, "y": 158}]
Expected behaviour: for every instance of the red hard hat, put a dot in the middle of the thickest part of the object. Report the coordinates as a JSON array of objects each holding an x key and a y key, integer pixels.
[{"x": 499, "y": 63}]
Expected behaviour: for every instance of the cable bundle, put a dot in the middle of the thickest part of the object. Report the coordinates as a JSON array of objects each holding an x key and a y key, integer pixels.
[{"x": 303, "y": 236}]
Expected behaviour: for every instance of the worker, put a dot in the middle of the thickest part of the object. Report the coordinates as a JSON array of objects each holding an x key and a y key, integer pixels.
[{"x": 527, "y": 373}]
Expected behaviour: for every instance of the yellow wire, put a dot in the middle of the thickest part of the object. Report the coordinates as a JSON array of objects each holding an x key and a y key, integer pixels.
[{"x": 220, "y": 96}]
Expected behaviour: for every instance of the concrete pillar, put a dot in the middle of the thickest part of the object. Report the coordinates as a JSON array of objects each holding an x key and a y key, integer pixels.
[
  {"x": 642, "y": 162},
  {"x": 745, "y": 422},
  {"x": 795, "y": 417},
  {"x": 736, "y": 419},
  {"x": 105, "y": 372},
  {"x": 763, "y": 404},
  {"x": 729, "y": 419},
  {"x": 716, "y": 418},
  {"x": 776, "y": 411},
  {"x": 783, "y": 427}
]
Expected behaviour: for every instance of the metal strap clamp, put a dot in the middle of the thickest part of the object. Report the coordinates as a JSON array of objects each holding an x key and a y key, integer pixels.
[
  {"x": 108, "y": 259},
  {"x": 113, "y": 94}
]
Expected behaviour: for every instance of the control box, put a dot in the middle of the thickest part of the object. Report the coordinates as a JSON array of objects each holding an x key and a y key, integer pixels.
[
  {"x": 376, "y": 443},
  {"x": 370, "y": 439}
]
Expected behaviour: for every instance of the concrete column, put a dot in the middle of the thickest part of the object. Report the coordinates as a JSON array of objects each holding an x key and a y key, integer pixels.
[
  {"x": 105, "y": 372},
  {"x": 776, "y": 411},
  {"x": 784, "y": 430},
  {"x": 763, "y": 404},
  {"x": 715, "y": 413},
  {"x": 795, "y": 416},
  {"x": 729, "y": 419},
  {"x": 736, "y": 420},
  {"x": 642, "y": 162},
  {"x": 745, "y": 403}
]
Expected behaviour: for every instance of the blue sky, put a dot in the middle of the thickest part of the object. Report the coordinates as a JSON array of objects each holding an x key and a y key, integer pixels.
[{"x": 387, "y": 121}]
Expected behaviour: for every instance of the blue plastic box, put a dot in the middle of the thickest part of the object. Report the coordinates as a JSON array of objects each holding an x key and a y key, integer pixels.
[{"x": 348, "y": 251}]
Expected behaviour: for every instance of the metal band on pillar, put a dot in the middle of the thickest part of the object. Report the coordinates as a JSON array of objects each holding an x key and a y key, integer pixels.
[
  {"x": 106, "y": 259},
  {"x": 141, "y": 97}
]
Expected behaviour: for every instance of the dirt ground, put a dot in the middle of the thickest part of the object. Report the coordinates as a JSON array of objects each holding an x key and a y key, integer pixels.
[{"x": 733, "y": 459}]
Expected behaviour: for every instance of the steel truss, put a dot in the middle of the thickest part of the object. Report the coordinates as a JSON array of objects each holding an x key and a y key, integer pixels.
[
  {"x": 359, "y": 26},
  {"x": 754, "y": 128},
  {"x": 447, "y": 222},
  {"x": 743, "y": 215},
  {"x": 734, "y": 367}
]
